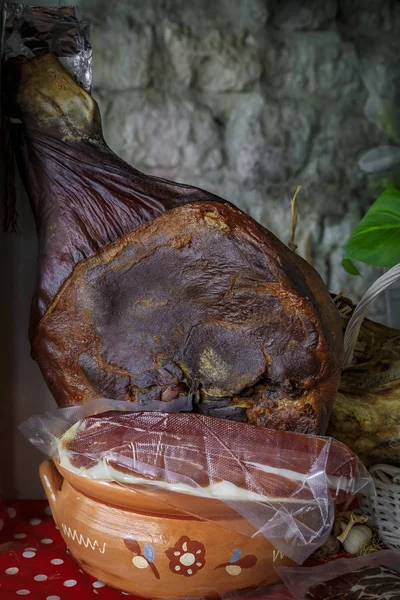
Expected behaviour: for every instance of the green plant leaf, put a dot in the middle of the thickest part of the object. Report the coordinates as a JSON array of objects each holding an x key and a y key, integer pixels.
[
  {"x": 376, "y": 240},
  {"x": 350, "y": 267}
]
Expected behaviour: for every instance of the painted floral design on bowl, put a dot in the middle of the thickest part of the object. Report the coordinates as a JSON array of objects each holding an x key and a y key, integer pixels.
[
  {"x": 236, "y": 564},
  {"x": 142, "y": 560},
  {"x": 187, "y": 557}
]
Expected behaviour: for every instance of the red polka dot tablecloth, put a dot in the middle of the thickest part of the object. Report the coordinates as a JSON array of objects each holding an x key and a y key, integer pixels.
[{"x": 35, "y": 562}]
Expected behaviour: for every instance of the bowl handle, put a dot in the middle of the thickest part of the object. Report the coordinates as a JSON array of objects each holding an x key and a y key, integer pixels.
[{"x": 51, "y": 481}]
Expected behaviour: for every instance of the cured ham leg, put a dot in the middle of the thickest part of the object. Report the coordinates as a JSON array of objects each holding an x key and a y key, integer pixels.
[{"x": 149, "y": 289}]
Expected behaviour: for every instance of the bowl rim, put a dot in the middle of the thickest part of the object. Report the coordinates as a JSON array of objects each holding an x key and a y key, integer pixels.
[{"x": 157, "y": 502}]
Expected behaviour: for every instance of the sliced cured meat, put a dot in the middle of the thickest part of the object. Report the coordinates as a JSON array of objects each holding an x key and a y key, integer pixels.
[
  {"x": 369, "y": 583},
  {"x": 203, "y": 452}
]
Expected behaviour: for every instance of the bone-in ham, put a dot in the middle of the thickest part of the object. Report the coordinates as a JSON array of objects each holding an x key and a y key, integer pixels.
[{"x": 150, "y": 290}]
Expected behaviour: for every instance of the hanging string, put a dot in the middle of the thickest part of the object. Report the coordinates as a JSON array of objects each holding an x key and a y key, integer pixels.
[{"x": 292, "y": 244}]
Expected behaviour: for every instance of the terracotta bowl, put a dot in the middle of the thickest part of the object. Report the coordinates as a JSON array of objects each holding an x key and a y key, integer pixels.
[{"x": 135, "y": 543}]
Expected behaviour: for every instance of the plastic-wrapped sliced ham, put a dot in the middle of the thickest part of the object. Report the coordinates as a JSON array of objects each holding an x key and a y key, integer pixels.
[
  {"x": 284, "y": 485},
  {"x": 150, "y": 290},
  {"x": 153, "y": 448}
]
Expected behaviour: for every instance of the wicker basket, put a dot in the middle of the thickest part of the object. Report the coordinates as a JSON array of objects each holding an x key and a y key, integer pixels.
[{"x": 384, "y": 508}]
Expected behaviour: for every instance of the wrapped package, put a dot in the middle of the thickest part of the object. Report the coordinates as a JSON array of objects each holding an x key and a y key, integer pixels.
[
  {"x": 375, "y": 576},
  {"x": 149, "y": 290},
  {"x": 283, "y": 485}
]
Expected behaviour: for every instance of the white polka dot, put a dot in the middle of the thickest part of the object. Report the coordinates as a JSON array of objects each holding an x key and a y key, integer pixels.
[
  {"x": 53, "y": 598},
  {"x": 46, "y": 541},
  {"x": 20, "y": 536},
  {"x": 98, "y": 584},
  {"x": 23, "y": 592},
  {"x": 28, "y": 554},
  {"x": 1, "y": 524},
  {"x": 70, "y": 583},
  {"x": 47, "y": 510},
  {"x": 12, "y": 570},
  {"x": 40, "y": 577},
  {"x": 30, "y": 549},
  {"x": 11, "y": 512},
  {"x": 35, "y": 521},
  {"x": 57, "y": 561}
]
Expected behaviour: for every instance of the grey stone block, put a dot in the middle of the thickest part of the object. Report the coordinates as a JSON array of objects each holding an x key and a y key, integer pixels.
[
  {"x": 155, "y": 131},
  {"x": 313, "y": 65},
  {"x": 295, "y": 15},
  {"x": 121, "y": 54},
  {"x": 269, "y": 140},
  {"x": 215, "y": 61}
]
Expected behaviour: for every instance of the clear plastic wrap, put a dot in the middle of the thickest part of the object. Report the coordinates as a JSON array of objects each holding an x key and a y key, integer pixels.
[
  {"x": 284, "y": 485},
  {"x": 300, "y": 579},
  {"x": 45, "y": 430},
  {"x": 30, "y": 31}
]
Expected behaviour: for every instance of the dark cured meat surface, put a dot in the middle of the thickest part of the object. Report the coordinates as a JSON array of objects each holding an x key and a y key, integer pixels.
[
  {"x": 369, "y": 583},
  {"x": 83, "y": 196},
  {"x": 148, "y": 289},
  {"x": 203, "y": 450}
]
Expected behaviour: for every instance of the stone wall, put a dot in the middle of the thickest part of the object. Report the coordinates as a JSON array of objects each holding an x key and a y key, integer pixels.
[{"x": 248, "y": 99}]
